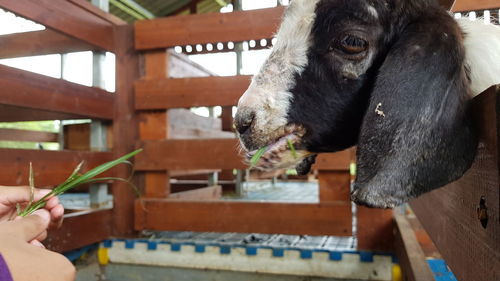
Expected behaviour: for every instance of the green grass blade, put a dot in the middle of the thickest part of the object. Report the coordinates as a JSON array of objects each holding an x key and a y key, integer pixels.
[
  {"x": 292, "y": 148},
  {"x": 256, "y": 157}
]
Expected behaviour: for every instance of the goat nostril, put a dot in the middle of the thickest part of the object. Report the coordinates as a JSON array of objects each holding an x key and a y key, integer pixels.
[{"x": 243, "y": 120}]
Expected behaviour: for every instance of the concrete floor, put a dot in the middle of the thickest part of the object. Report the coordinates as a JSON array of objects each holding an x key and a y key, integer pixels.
[{"x": 120, "y": 272}]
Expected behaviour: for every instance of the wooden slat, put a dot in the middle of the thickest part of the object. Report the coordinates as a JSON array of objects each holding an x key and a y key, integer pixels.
[
  {"x": 334, "y": 186},
  {"x": 157, "y": 184},
  {"x": 218, "y": 216},
  {"x": 125, "y": 127},
  {"x": 27, "y": 89},
  {"x": 79, "y": 231},
  {"x": 50, "y": 167},
  {"x": 375, "y": 229},
  {"x": 474, "y": 5},
  {"x": 410, "y": 255},
  {"x": 9, "y": 113},
  {"x": 189, "y": 92},
  {"x": 207, "y": 28},
  {"x": 338, "y": 161},
  {"x": 65, "y": 17},
  {"x": 189, "y": 155},
  {"x": 203, "y": 194},
  {"x": 26, "y": 135},
  {"x": 450, "y": 214},
  {"x": 42, "y": 42}
]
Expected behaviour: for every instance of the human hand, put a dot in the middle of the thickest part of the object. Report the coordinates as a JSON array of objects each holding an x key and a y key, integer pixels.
[
  {"x": 10, "y": 196},
  {"x": 27, "y": 262}
]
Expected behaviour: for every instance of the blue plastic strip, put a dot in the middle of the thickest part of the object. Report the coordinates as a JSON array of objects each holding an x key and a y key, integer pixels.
[
  {"x": 441, "y": 271},
  {"x": 306, "y": 254},
  {"x": 336, "y": 256},
  {"x": 129, "y": 244},
  {"x": 251, "y": 251},
  {"x": 107, "y": 243},
  {"x": 199, "y": 248},
  {"x": 175, "y": 247},
  {"x": 152, "y": 245},
  {"x": 366, "y": 256},
  {"x": 279, "y": 253},
  {"x": 225, "y": 250}
]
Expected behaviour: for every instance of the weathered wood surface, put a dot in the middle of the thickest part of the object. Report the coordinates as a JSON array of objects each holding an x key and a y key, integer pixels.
[
  {"x": 450, "y": 214},
  {"x": 65, "y": 17},
  {"x": 217, "y": 216},
  {"x": 207, "y": 28},
  {"x": 26, "y": 89},
  {"x": 189, "y": 92},
  {"x": 79, "y": 230},
  {"x": 338, "y": 161},
  {"x": 334, "y": 186},
  {"x": 125, "y": 127},
  {"x": 43, "y": 42},
  {"x": 189, "y": 154},
  {"x": 474, "y": 5},
  {"x": 50, "y": 167},
  {"x": 410, "y": 255},
  {"x": 26, "y": 135},
  {"x": 200, "y": 194},
  {"x": 9, "y": 113},
  {"x": 77, "y": 136}
]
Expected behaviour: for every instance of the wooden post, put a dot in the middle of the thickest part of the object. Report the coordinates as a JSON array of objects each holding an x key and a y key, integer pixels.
[
  {"x": 154, "y": 125},
  {"x": 125, "y": 126}
]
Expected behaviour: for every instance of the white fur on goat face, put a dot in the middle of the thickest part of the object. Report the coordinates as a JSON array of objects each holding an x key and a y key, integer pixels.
[{"x": 269, "y": 93}]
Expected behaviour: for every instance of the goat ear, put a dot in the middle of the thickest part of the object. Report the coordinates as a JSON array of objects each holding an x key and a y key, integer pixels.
[{"x": 417, "y": 133}]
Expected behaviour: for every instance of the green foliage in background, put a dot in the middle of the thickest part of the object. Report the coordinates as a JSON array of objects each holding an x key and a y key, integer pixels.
[{"x": 45, "y": 126}]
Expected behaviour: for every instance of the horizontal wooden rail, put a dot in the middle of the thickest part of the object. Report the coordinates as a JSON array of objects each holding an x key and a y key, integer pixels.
[
  {"x": 42, "y": 42},
  {"x": 50, "y": 167},
  {"x": 66, "y": 17},
  {"x": 25, "y": 135},
  {"x": 246, "y": 217},
  {"x": 79, "y": 231},
  {"x": 9, "y": 113},
  {"x": 189, "y": 92},
  {"x": 475, "y": 5},
  {"x": 207, "y": 28},
  {"x": 26, "y": 89},
  {"x": 199, "y": 154},
  {"x": 189, "y": 155}
]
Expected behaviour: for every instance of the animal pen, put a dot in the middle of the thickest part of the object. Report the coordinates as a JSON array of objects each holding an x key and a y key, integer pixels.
[{"x": 459, "y": 223}]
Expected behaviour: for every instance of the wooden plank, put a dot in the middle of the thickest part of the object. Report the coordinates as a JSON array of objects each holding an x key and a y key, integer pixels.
[
  {"x": 207, "y": 28},
  {"x": 334, "y": 186},
  {"x": 338, "y": 161},
  {"x": 77, "y": 136},
  {"x": 474, "y": 5},
  {"x": 189, "y": 155},
  {"x": 375, "y": 229},
  {"x": 26, "y": 89},
  {"x": 125, "y": 127},
  {"x": 50, "y": 167},
  {"x": 189, "y": 92},
  {"x": 153, "y": 125},
  {"x": 26, "y": 135},
  {"x": 222, "y": 216},
  {"x": 79, "y": 231},
  {"x": 410, "y": 255},
  {"x": 181, "y": 173},
  {"x": 67, "y": 18},
  {"x": 157, "y": 184},
  {"x": 43, "y": 42},
  {"x": 203, "y": 194},
  {"x": 450, "y": 214},
  {"x": 156, "y": 64},
  {"x": 10, "y": 113}
]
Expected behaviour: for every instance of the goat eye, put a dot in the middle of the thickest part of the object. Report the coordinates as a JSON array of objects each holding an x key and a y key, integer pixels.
[{"x": 351, "y": 45}]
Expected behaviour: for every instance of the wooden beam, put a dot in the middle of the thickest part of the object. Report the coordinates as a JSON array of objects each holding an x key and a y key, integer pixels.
[
  {"x": 50, "y": 167},
  {"x": 375, "y": 229},
  {"x": 10, "y": 113},
  {"x": 410, "y": 255},
  {"x": 26, "y": 89},
  {"x": 188, "y": 92},
  {"x": 26, "y": 135},
  {"x": 79, "y": 230},
  {"x": 42, "y": 42},
  {"x": 454, "y": 216},
  {"x": 125, "y": 127},
  {"x": 474, "y": 5},
  {"x": 189, "y": 155},
  {"x": 338, "y": 161},
  {"x": 207, "y": 28},
  {"x": 203, "y": 194},
  {"x": 66, "y": 17},
  {"x": 89, "y": 7},
  {"x": 222, "y": 216},
  {"x": 334, "y": 186}
]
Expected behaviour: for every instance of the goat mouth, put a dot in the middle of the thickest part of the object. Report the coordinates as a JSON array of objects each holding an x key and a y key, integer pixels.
[{"x": 285, "y": 152}]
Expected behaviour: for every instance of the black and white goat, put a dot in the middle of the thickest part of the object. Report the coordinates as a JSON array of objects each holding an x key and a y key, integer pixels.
[{"x": 394, "y": 77}]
